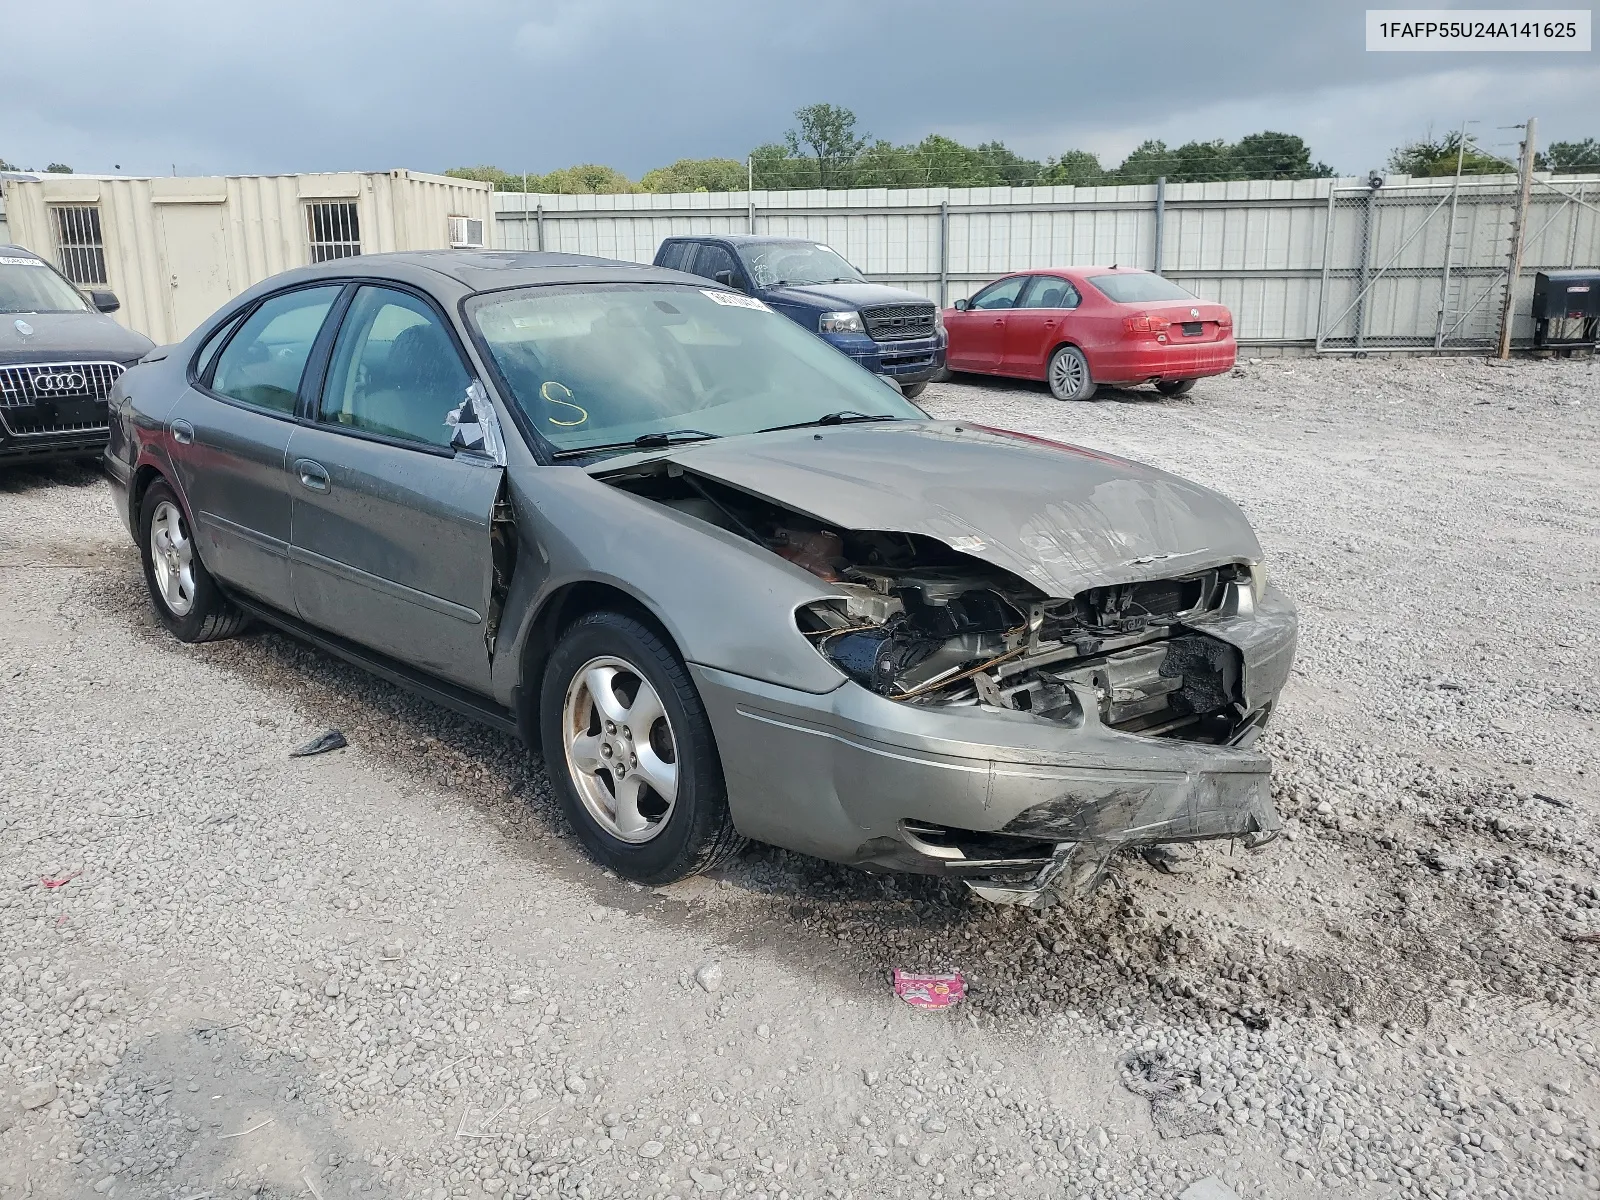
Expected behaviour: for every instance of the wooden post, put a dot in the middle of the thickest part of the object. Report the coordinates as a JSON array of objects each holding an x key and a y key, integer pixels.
[{"x": 1519, "y": 233}]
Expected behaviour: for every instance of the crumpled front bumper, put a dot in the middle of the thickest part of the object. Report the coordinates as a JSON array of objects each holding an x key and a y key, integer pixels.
[{"x": 853, "y": 777}]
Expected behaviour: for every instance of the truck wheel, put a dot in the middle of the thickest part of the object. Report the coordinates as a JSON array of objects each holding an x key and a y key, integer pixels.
[
  {"x": 912, "y": 390},
  {"x": 1175, "y": 387},
  {"x": 1068, "y": 375},
  {"x": 630, "y": 752},
  {"x": 186, "y": 598}
]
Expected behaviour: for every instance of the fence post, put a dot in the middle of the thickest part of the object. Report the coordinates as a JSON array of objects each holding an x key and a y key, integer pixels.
[
  {"x": 1161, "y": 217},
  {"x": 1519, "y": 235},
  {"x": 944, "y": 253},
  {"x": 1450, "y": 241},
  {"x": 1366, "y": 266},
  {"x": 538, "y": 223},
  {"x": 1327, "y": 266}
]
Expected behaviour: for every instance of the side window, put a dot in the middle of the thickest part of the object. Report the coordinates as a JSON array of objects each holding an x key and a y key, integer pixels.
[
  {"x": 711, "y": 259},
  {"x": 263, "y": 362},
  {"x": 395, "y": 370},
  {"x": 676, "y": 255},
  {"x": 1000, "y": 295},
  {"x": 209, "y": 348},
  {"x": 1047, "y": 291}
]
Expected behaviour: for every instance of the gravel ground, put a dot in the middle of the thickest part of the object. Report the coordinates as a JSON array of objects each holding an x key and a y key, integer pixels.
[{"x": 387, "y": 970}]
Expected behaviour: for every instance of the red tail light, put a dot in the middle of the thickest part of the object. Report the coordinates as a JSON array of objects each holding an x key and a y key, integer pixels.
[
  {"x": 1226, "y": 319},
  {"x": 1145, "y": 323}
]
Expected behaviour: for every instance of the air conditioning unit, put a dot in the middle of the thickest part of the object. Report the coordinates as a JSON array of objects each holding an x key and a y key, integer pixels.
[{"x": 466, "y": 232}]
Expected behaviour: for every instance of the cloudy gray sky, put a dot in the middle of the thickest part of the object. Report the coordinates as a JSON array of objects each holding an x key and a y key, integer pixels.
[{"x": 305, "y": 85}]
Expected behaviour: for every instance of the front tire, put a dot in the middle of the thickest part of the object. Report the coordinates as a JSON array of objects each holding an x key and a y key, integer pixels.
[
  {"x": 1068, "y": 375},
  {"x": 912, "y": 390},
  {"x": 630, "y": 752},
  {"x": 186, "y": 599},
  {"x": 1175, "y": 387}
]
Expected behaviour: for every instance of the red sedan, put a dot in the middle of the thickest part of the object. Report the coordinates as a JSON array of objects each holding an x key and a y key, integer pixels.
[{"x": 1078, "y": 327}]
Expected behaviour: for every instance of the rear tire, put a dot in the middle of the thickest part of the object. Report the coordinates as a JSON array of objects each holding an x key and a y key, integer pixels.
[
  {"x": 1175, "y": 387},
  {"x": 912, "y": 390},
  {"x": 186, "y": 599},
  {"x": 1068, "y": 375},
  {"x": 607, "y": 669}
]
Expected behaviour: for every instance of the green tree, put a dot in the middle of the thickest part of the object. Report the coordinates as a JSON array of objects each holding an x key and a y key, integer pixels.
[
  {"x": 586, "y": 178},
  {"x": 1429, "y": 158},
  {"x": 1007, "y": 167},
  {"x": 697, "y": 175},
  {"x": 1077, "y": 167},
  {"x": 59, "y": 169},
  {"x": 484, "y": 174},
  {"x": 828, "y": 134},
  {"x": 8, "y": 166},
  {"x": 1149, "y": 161},
  {"x": 776, "y": 169},
  {"x": 1574, "y": 158},
  {"x": 1273, "y": 155}
]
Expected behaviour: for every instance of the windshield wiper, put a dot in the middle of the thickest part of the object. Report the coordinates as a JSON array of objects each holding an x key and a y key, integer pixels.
[
  {"x": 844, "y": 417},
  {"x": 645, "y": 441}
]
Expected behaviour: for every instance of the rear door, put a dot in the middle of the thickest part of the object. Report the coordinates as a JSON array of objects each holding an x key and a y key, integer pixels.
[
  {"x": 229, "y": 433},
  {"x": 390, "y": 529},
  {"x": 980, "y": 331},
  {"x": 1038, "y": 324}
]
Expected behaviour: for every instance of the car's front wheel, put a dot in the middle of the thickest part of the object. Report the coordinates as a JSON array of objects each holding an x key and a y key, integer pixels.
[
  {"x": 187, "y": 600},
  {"x": 912, "y": 390},
  {"x": 630, "y": 752},
  {"x": 1068, "y": 375},
  {"x": 1175, "y": 387}
]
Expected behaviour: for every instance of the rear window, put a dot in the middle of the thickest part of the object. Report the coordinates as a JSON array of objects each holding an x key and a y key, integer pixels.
[{"x": 1139, "y": 287}]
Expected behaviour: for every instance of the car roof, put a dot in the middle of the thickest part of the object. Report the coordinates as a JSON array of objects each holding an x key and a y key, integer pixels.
[
  {"x": 739, "y": 238},
  {"x": 7, "y": 250},
  {"x": 492, "y": 270},
  {"x": 1079, "y": 271}
]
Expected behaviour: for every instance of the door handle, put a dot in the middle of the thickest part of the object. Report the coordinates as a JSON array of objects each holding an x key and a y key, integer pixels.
[
  {"x": 312, "y": 475},
  {"x": 182, "y": 432},
  {"x": 1050, "y": 324}
]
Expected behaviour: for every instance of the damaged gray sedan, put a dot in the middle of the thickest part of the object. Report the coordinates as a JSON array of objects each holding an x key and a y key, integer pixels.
[{"x": 731, "y": 585}]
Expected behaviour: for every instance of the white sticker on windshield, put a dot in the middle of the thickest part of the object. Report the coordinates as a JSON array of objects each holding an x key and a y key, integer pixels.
[
  {"x": 736, "y": 300},
  {"x": 20, "y": 262}
]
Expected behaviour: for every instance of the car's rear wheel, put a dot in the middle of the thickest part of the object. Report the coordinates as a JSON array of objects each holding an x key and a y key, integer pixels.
[
  {"x": 187, "y": 600},
  {"x": 912, "y": 390},
  {"x": 1068, "y": 375},
  {"x": 630, "y": 752},
  {"x": 1175, "y": 387}
]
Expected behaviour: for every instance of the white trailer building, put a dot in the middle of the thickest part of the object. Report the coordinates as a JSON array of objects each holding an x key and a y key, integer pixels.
[{"x": 174, "y": 249}]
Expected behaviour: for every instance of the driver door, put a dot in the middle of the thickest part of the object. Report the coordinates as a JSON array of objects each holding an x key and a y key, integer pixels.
[
  {"x": 389, "y": 539},
  {"x": 982, "y": 327}
]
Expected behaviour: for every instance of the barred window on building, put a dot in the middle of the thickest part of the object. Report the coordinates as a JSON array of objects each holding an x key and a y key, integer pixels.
[
  {"x": 335, "y": 230},
  {"x": 79, "y": 248}
]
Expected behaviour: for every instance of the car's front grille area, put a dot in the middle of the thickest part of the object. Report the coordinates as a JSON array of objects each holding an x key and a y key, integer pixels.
[
  {"x": 898, "y": 322},
  {"x": 55, "y": 398}
]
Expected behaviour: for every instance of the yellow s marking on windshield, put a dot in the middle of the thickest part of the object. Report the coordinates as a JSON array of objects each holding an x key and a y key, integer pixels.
[{"x": 548, "y": 392}]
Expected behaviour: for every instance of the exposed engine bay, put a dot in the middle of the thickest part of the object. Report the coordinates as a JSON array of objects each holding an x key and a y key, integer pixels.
[{"x": 923, "y": 623}]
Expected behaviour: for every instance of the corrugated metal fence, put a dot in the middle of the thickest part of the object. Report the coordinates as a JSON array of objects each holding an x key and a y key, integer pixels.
[{"x": 1332, "y": 264}]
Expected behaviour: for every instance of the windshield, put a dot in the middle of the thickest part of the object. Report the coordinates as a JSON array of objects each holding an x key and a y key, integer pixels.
[
  {"x": 1139, "y": 287},
  {"x": 774, "y": 264},
  {"x": 594, "y": 365},
  {"x": 29, "y": 286}
]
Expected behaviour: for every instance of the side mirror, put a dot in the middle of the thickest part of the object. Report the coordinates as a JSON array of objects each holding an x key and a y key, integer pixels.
[
  {"x": 963, "y": 305},
  {"x": 728, "y": 279},
  {"x": 106, "y": 302},
  {"x": 476, "y": 428}
]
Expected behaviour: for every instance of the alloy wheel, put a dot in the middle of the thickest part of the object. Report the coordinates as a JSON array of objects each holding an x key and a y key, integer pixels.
[
  {"x": 172, "y": 556},
  {"x": 621, "y": 755}
]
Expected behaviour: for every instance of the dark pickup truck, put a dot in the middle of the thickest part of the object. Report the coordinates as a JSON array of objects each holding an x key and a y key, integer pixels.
[{"x": 889, "y": 331}]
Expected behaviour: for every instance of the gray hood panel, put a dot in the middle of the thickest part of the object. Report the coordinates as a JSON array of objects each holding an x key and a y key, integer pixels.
[
  {"x": 1061, "y": 517},
  {"x": 68, "y": 337}
]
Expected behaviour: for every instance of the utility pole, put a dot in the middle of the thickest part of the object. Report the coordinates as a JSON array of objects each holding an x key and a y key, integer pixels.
[{"x": 1519, "y": 233}]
